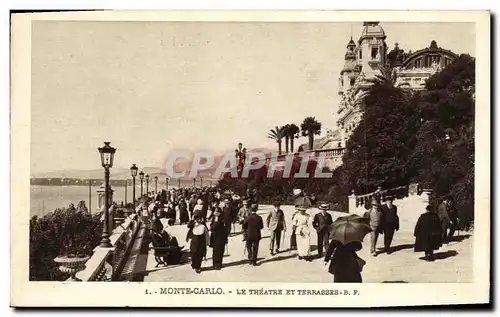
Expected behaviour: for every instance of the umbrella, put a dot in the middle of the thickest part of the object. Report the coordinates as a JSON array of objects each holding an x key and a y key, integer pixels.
[
  {"x": 350, "y": 228},
  {"x": 303, "y": 201}
]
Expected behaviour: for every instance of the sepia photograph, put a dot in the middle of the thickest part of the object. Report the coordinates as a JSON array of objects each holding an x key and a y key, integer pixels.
[{"x": 253, "y": 156}]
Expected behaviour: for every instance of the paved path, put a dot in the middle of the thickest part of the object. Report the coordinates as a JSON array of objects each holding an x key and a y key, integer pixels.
[{"x": 454, "y": 265}]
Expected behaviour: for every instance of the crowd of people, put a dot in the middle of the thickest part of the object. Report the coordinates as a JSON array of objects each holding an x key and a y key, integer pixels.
[
  {"x": 212, "y": 216},
  {"x": 434, "y": 228}
]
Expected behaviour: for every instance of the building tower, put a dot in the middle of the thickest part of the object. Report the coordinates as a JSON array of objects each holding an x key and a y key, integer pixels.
[
  {"x": 372, "y": 49},
  {"x": 348, "y": 76}
]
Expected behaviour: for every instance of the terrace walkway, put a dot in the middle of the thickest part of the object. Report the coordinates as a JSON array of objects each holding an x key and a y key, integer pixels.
[{"x": 453, "y": 264}]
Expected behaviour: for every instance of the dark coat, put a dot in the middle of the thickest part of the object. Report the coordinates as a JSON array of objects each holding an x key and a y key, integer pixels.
[
  {"x": 218, "y": 234},
  {"x": 158, "y": 241},
  {"x": 428, "y": 232},
  {"x": 252, "y": 225},
  {"x": 227, "y": 214},
  {"x": 183, "y": 212},
  {"x": 322, "y": 222},
  {"x": 344, "y": 263},
  {"x": 389, "y": 220}
]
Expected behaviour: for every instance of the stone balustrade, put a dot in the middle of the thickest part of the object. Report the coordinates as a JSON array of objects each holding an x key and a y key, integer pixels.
[
  {"x": 106, "y": 264},
  {"x": 356, "y": 201}
]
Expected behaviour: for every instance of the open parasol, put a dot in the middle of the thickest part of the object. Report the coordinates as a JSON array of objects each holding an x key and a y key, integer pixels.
[{"x": 349, "y": 229}]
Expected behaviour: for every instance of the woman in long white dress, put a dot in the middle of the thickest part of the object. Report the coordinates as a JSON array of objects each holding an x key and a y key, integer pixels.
[{"x": 302, "y": 223}]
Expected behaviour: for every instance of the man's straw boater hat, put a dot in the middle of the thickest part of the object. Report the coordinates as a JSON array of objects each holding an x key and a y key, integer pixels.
[{"x": 323, "y": 206}]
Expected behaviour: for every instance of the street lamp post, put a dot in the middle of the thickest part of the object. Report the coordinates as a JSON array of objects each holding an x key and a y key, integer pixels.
[
  {"x": 147, "y": 185},
  {"x": 126, "y": 183},
  {"x": 141, "y": 177},
  {"x": 240, "y": 154},
  {"x": 107, "y": 155},
  {"x": 133, "y": 171},
  {"x": 156, "y": 184},
  {"x": 166, "y": 183},
  {"x": 201, "y": 182},
  {"x": 178, "y": 183},
  {"x": 194, "y": 182}
]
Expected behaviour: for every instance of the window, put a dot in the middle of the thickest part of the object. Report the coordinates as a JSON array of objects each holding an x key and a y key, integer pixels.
[
  {"x": 353, "y": 80},
  {"x": 374, "y": 52},
  {"x": 361, "y": 54},
  {"x": 417, "y": 63}
]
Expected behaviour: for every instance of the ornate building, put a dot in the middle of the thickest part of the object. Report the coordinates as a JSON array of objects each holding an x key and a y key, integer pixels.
[{"x": 363, "y": 61}]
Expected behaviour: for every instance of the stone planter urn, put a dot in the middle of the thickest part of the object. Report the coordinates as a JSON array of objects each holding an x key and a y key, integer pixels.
[{"x": 71, "y": 265}]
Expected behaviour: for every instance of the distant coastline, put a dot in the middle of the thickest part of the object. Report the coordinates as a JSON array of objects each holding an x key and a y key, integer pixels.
[{"x": 113, "y": 182}]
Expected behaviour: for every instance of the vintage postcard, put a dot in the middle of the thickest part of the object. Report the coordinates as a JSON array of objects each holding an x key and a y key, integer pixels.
[{"x": 250, "y": 158}]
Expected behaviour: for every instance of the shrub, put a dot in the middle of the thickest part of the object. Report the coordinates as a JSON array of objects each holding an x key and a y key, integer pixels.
[{"x": 62, "y": 232}]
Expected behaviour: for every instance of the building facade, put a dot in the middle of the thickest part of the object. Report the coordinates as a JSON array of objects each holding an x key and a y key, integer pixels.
[{"x": 364, "y": 60}]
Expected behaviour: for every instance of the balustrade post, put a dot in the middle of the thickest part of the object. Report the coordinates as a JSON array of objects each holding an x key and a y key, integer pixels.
[
  {"x": 352, "y": 202},
  {"x": 426, "y": 194}
]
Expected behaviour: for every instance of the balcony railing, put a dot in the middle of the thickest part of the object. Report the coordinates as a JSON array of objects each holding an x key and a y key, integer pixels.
[
  {"x": 106, "y": 264},
  {"x": 356, "y": 201}
]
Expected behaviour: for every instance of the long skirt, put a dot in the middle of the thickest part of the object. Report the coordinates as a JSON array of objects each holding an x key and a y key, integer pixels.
[
  {"x": 198, "y": 250},
  {"x": 303, "y": 245},
  {"x": 293, "y": 241}
]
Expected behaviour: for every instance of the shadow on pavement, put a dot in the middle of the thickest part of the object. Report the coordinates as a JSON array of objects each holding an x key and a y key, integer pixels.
[
  {"x": 445, "y": 255},
  {"x": 401, "y": 247},
  {"x": 225, "y": 265},
  {"x": 459, "y": 238},
  {"x": 278, "y": 258}
]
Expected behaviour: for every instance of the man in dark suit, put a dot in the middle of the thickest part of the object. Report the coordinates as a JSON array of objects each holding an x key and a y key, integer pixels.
[
  {"x": 321, "y": 223},
  {"x": 390, "y": 222},
  {"x": 252, "y": 225}
]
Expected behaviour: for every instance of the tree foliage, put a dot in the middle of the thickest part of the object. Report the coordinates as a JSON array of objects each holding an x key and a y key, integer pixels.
[
  {"x": 277, "y": 134},
  {"x": 444, "y": 154},
  {"x": 310, "y": 127},
  {"x": 378, "y": 150},
  {"x": 62, "y": 232}
]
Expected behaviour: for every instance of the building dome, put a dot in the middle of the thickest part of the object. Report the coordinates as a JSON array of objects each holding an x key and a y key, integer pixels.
[{"x": 372, "y": 29}]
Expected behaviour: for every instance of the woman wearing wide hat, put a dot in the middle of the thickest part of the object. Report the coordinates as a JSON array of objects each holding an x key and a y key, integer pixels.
[{"x": 302, "y": 223}]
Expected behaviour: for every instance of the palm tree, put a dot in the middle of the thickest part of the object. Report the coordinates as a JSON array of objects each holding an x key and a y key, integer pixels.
[
  {"x": 277, "y": 135},
  {"x": 293, "y": 133},
  {"x": 310, "y": 127},
  {"x": 387, "y": 77},
  {"x": 284, "y": 131}
]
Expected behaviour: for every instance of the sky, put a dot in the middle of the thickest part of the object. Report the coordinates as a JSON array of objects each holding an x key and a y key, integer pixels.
[{"x": 151, "y": 88}]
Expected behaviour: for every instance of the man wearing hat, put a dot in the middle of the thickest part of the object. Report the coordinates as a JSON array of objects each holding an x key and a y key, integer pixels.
[
  {"x": 243, "y": 213},
  {"x": 321, "y": 223},
  {"x": 276, "y": 223},
  {"x": 218, "y": 239},
  {"x": 253, "y": 224},
  {"x": 375, "y": 216},
  {"x": 227, "y": 214},
  {"x": 390, "y": 222}
]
